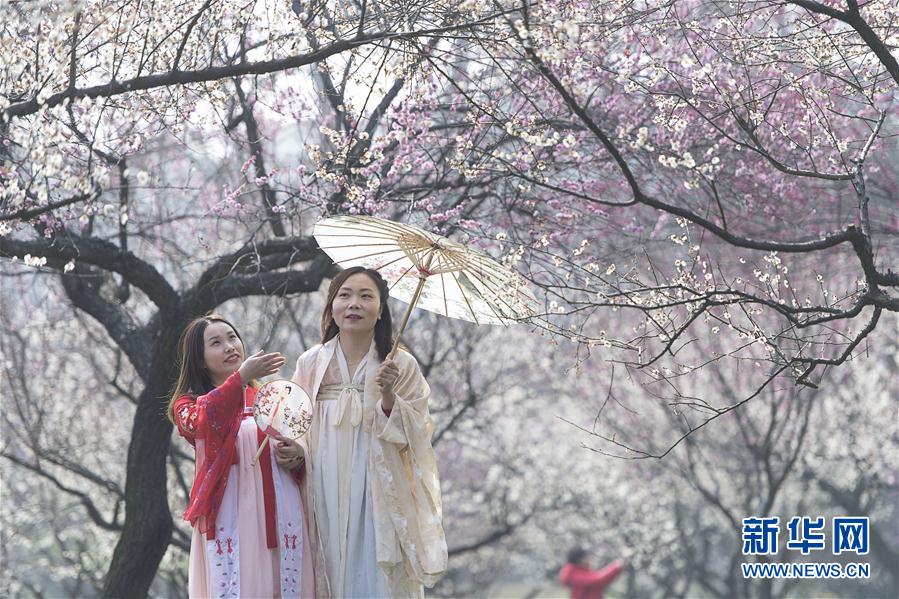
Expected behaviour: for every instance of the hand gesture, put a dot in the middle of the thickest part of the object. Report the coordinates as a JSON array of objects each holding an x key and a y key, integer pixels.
[
  {"x": 259, "y": 365},
  {"x": 385, "y": 377},
  {"x": 288, "y": 454}
]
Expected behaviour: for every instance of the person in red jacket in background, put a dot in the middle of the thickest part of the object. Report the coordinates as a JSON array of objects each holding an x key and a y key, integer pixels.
[{"x": 584, "y": 582}]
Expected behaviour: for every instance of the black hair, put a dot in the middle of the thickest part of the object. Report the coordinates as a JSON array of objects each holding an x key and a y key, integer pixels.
[{"x": 576, "y": 555}]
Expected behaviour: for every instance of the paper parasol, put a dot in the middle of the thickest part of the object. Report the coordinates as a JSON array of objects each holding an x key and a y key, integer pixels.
[{"x": 428, "y": 271}]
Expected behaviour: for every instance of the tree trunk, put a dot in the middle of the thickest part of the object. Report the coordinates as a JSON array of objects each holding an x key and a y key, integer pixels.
[{"x": 148, "y": 521}]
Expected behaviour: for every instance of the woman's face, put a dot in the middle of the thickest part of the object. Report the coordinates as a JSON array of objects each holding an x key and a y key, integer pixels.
[
  {"x": 357, "y": 305},
  {"x": 223, "y": 352}
]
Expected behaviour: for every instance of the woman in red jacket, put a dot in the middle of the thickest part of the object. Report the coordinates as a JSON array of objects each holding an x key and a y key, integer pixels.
[
  {"x": 249, "y": 530},
  {"x": 584, "y": 582}
]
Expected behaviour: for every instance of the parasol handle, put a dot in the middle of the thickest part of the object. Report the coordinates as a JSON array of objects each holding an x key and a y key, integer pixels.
[{"x": 396, "y": 343}]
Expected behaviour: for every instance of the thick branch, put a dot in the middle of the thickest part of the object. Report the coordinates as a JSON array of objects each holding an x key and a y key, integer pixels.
[
  {"x": 84, "y": 286},
  {"x": 73, "y": 62},
  {"x": 63, "y": 248},
  {"x": 254, "y": 139},
  {"x": 274, "y": 283},
  {"x": 300, "y": 249}
]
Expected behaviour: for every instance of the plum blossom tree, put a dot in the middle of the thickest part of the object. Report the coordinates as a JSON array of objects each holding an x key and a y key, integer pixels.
[
  {"x": 699, "y": 189},
  {"x": 723, "y": 171}
]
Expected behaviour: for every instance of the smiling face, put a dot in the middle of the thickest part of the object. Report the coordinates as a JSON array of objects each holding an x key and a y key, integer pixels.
[
  {"x": 223, "y": 351},
  {"x": 357, "y": 305}
]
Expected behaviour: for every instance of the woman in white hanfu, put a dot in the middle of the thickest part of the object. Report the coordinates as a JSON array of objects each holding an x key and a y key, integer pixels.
[{"x": 371, "y": 477}]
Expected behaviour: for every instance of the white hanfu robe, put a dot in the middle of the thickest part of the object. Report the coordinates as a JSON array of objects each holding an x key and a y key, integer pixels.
[{"x": 371, "y": 484}]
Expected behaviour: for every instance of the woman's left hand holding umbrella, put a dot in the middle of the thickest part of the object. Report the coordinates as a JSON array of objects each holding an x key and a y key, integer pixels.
[{"x": 385, "y": 377}]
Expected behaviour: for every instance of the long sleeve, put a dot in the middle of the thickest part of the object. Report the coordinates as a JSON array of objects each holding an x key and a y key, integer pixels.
[
  {"x": 214, "y": 419},
  {"x": 391, "y": 425},
  {"x": 606, "y": 575},
  {"x": 195, "y": 417},
  {"x": 186, "y": 415},
  {"x": 302, "y": 376},
  {"x": 584, "y": 580},
  {"x": 406, "y": 489},
  {"x": 411, "y": 404},
  {"x": 299, "y": 372}
]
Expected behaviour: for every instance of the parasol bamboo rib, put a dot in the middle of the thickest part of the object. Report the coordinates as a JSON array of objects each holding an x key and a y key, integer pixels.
[
  {"x": 422, "y": 278},
  {"x": 473, "y": 286}
]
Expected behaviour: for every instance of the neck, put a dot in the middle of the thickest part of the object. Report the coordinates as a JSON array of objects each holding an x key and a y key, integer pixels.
[
  {"x": 218, "y": 381},
  {"x": 356, "y": 345}
]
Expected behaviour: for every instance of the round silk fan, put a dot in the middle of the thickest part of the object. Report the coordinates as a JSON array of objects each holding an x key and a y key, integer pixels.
[{"x": 283, "y": 409}]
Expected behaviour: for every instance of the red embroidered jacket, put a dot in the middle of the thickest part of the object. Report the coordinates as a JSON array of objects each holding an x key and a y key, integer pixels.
[{"x": 215, "y": 418}]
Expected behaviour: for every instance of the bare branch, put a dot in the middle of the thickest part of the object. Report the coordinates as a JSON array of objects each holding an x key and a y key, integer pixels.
[
  {"x": 86, "y": 501},
  {"x": 172, "y": 78}
]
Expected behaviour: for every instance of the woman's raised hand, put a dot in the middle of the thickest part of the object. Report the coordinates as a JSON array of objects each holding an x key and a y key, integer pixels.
[
  {"x": 259, "y": 365},
  {"x": 385, "y": 377}
]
